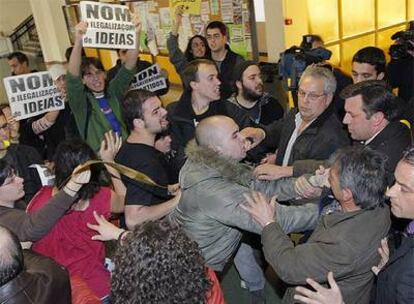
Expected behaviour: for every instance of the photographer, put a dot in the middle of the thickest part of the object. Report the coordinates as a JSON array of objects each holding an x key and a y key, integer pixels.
[
  {"x": 401, "y": 66},
  {"x": 311, "y": 51}
]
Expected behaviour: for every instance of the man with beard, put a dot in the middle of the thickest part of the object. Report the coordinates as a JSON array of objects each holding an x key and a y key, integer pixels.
[
  {"x": 201, "y": 99},
  {"x": 251, "y": 98},
  {"x": 145, "y": 118}
]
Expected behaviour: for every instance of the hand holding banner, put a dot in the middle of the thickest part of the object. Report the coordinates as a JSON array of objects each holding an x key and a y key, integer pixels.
[
  {"x": 32, "y": 94},
  {"x": 109, "y": 26}
]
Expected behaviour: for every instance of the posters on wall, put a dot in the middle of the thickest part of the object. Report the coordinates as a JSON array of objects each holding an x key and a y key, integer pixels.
[
  {"x": 189, "y": 6},
  {"x": 227, "y": 11},
  {"x": 237, "y": 12},
  {"x": 205, "y": 11},
  {"x": 109, "y": 26},
  {"x": 157, "y": 21},
  {"x": 32, "y": 94},
  {"x": 165, "y": 17},
  {"x": 214, "y": 7},
  {"x": 237, "y": 41}
]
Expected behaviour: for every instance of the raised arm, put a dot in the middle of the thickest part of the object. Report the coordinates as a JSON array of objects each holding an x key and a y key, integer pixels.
[
  {"x": 109, "y": 148},
  {"x": 132, "y": 55},
  {"x": 76, "y": 55},
  {"x": 32, "y": 227}
]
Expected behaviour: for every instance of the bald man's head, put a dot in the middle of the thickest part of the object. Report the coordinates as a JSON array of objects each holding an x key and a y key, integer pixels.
[
  {"x": 221, "y": 134},
  {"x": 11, "y": 256}
]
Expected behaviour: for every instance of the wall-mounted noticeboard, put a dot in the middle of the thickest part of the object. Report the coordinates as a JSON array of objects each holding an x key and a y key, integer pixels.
[{"x": 157, "y": 17}]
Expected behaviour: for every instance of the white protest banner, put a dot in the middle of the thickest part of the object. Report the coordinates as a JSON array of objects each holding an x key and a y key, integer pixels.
[
  {"x": 149, "y": 79},
  {"x": 47, "y": 178},
  {"x": 109, "y": 26},
  {"x": 32, "y": 94}
]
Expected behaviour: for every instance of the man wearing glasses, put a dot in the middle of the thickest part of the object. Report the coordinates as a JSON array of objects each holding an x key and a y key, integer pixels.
[{"x": 308, "y": 134}]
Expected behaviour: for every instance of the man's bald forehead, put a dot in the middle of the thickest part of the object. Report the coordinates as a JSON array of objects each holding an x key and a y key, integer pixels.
[{"x": 209, "y": 130}]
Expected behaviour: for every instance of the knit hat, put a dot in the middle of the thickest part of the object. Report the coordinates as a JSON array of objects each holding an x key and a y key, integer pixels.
[{"x": 240, "y": 68}]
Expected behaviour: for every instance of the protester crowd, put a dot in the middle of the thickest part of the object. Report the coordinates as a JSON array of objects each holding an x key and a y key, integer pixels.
[{"x": 229, "y": 175}]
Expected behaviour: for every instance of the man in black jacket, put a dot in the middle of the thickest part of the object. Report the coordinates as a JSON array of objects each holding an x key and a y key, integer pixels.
[
  {"x": 225, "y": 59},
  {"x": 371, "y": 114},
  {"x": 307, "y": 135},
  {"x": 201, "y": 99}
]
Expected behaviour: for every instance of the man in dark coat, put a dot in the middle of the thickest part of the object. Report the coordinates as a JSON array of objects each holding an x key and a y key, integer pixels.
[
  {"x": 26, "y": 277},
  {"x": 201, "y": 99},
  {"x": 371, "y": 115},
  {"x": 307, "y": 135},
  {"x": 225, "y": 59}
]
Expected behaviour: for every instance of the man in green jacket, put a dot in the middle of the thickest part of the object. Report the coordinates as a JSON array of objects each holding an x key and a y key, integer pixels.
[
  {"x": 345, "y": 240},
  {"x": 94, "y": 103}
]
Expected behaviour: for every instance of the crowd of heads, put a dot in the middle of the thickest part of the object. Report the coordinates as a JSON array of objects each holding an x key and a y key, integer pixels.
[{"x": 158, "y": 263}]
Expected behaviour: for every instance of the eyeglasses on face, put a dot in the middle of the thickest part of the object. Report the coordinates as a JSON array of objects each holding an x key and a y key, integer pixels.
[{"x": 311, "y": 96}]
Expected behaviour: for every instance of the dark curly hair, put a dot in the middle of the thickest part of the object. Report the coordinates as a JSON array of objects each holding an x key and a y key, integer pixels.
[
  {"x": 159, "y": 264},
  {"x": 189, "y": 51},
  {"x": 71, "y": 153}
]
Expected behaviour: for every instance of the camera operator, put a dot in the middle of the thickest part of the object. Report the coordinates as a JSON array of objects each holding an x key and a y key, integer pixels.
[
  {"x": 311, "y": 51},
  {"x": 401, "y": 66}
]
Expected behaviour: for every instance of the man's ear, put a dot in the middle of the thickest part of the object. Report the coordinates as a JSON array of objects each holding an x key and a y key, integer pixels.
[
  {"x": 381, "y": 76},
  {"x": 378, "y": 117},
  {"x": 215, "y": 148},
  {"x": 193, "y": 85},
  {"x": 238, "y": 84},
  {"x": 329, "y": 98},
  {"x": 138, "y": 123}
]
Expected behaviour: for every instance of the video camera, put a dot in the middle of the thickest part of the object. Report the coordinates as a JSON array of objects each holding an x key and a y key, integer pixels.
[
  {"x": 294, "y": 60},
  {"x": 402, "y": 46}
]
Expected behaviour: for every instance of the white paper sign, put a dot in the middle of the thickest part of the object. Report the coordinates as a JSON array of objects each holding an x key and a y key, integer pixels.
[
  {"x": 32, "y": 94},
  {"x": 109, "y": 26},
  {"x": 47, "y": 178},
  {"x": 149, "y": 79}
]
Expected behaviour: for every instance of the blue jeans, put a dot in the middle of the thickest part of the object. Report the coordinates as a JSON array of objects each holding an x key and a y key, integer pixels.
[{"x": 248, "y": 267}]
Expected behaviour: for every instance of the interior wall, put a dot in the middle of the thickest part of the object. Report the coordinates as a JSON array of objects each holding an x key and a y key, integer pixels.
[
  {"x": 275, "y": 37},
  {"x": 12, "y": 13},
  {"x": 295, "y": 11},
  {"x": 261, "y": 36}
]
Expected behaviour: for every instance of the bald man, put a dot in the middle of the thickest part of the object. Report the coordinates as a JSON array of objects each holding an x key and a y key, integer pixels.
[
  {"x": 26, "y": 277},
  {"x": 213, "y": 183}
]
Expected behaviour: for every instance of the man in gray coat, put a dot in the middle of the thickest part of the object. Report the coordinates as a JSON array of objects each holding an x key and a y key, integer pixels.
[
  {"x": 213, "y": 183},
  {"x": 345, "y": 240}
]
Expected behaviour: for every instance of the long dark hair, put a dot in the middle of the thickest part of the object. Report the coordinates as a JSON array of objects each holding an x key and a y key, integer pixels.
[
  {"x": 189, "y": 52},
  {"x": 71, "y": 153}
]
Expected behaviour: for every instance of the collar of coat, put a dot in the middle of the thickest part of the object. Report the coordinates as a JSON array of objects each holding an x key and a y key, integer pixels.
[
  {"x": 320, "y": 120},
  {"x": 230, "y": 169}
]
